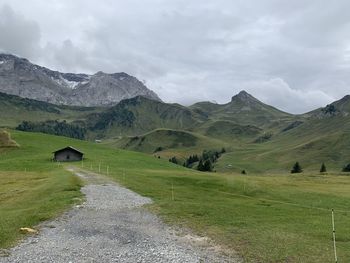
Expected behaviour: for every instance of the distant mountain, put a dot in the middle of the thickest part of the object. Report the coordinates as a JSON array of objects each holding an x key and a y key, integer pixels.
[
  {"x": 338, "y": 108},
  {"x": 20, "y": 77},
  {"x": 243, "y": 109},
  {"x": 255, "y": 135},
  {"x": 140, "y": 115},
  {"x": 244, "y": 117}
]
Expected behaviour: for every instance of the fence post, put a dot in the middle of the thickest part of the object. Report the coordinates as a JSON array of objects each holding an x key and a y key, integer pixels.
[
  {"x": 334, "y": 244},
  {"x": 172, "y": 191}
]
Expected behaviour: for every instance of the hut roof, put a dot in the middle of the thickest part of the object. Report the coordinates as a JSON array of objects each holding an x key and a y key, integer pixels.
[{"x": 68, "y": 148}]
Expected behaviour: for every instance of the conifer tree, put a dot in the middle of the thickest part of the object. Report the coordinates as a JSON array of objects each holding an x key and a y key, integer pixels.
[
  {"x": 323, "y": 168},
  {"x": 208, "y": 166},
  {"x": 296, "y": 168},
  {"x": 173, "y": 160},
  {"x": 200, "y": 165},
  {"x": 346, "y": 168}
]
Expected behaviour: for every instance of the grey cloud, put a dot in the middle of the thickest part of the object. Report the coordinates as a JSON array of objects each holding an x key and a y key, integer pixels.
[
  {"x": 65, "y": 57},
  {"x": 18, "y": 34},
  {"x": 282, "y": 52}
]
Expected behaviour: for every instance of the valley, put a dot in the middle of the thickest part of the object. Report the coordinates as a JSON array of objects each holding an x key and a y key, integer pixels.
[
  {"x": 254, "y": 134},
  {"x": 249, "y": 203}
]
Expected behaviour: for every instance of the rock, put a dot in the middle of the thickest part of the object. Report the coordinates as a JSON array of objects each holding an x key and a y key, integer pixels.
[
  {"x": 28, "y": 230},
  {"x": 20, "y": 77}
]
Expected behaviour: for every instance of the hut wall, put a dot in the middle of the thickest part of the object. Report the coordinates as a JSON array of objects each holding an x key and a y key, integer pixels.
[{"x": 68, "y": 156}]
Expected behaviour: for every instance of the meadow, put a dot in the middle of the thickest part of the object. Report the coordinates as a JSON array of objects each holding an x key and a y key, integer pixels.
[{"x": 265, "y": 218}]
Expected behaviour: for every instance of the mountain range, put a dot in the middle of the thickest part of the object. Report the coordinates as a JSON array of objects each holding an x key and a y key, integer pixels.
[
  {"x": 20, "y": 77},
  {"x": 256, "y": 136}
]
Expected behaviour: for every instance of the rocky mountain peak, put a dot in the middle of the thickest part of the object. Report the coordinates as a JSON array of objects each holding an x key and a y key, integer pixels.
[
  {"x": 6, "y": 57},
  {"x": 244, "y": 97},
  {"x": 344, "y": 100},
  {"x": 339, "y": 107},
  {"x": 20, "y": 77}
]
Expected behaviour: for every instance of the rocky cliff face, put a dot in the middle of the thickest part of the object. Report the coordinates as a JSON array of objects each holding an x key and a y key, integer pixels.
[{"x": 20, "y": 77}]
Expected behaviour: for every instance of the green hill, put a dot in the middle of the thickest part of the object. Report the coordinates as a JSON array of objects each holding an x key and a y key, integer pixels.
[
  {"x": 140, "y": 115},
  {"x": 167, "y": 143},
  {"x": 338, "y": 108},
  {"x": 229, "y": 131},
  {"x": 14, "y": 110},
  {"x": 243, "y": 109},
  {"x": 311, "y": 142},
  {"x": 258, "y": 137}
]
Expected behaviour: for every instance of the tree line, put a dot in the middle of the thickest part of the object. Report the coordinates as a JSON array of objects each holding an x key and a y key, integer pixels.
[
  {"x": 54, "y": 127},
  {"x": 298, "y": 169},
  {"x": 203, "y": 162}
]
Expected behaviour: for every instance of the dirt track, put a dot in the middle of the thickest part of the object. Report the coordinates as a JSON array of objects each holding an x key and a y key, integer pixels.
[{"x": 111, "y": 226}]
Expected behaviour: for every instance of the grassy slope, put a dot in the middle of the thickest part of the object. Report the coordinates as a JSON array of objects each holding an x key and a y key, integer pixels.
[
  {"x": 140, "y": 115},
  {"x": 229, "y": 131},
  {"x": 14, "y": 109},
  {"x": 238, "y": 122},
  {"x": 316, "y": 141},
  {"x": 275, "y": 218},
  {"x": 173, "y": 142}
]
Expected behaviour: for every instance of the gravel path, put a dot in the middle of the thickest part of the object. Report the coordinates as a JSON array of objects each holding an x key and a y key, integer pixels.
[{"x": 111, "y": 226}]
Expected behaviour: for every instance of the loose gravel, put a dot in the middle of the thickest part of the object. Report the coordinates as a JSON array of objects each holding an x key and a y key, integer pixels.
[{"x": 111, "y": 226}]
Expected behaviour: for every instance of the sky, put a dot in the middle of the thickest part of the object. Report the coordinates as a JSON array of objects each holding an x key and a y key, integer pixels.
[{"x": 294, "y": 55}]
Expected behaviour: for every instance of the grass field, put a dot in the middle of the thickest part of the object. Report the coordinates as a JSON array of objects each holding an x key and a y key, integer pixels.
[
  {"x": 32, "y": 189},
  {"x": 266, "y": 218}
]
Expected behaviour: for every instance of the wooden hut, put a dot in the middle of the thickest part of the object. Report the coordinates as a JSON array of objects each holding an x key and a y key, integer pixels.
[{"x": 68, "y": 154}]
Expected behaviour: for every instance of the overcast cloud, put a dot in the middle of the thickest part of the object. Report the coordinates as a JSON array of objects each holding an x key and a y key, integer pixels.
[{"x": 294, "y": 55}]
